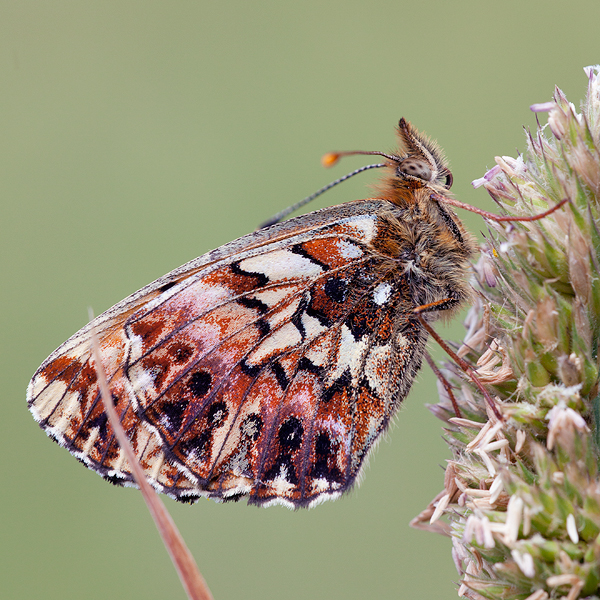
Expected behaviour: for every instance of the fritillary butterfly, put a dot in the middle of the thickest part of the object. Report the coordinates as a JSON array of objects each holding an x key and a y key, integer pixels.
[{"x": 268, "y": 367}]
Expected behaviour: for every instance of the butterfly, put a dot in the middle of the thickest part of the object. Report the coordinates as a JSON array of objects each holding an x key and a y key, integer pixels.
[{"x": 269, "y": 367}]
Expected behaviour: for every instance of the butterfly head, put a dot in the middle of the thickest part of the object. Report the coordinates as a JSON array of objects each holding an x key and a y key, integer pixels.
[{"x": 421, "y": 162}]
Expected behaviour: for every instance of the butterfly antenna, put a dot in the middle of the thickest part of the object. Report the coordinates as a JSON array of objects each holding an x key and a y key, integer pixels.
[{"x": 328, "y": 161}]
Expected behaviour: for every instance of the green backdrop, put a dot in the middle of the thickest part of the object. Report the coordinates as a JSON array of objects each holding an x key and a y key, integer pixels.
[{"x": 135, "y": 136}]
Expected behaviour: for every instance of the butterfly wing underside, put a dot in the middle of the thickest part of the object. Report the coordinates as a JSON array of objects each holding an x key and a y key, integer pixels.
[{"x": 267, "y": 368}]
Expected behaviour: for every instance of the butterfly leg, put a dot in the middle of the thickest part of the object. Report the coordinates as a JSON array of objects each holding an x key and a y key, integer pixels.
[
  {"x": 494, "y": 217},
  {"x": 463, "y": 364},
  {"x": 444, "y": 382}
]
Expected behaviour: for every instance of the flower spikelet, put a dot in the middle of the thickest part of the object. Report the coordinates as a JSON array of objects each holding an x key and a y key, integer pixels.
[{"x": 522, "y": 493}]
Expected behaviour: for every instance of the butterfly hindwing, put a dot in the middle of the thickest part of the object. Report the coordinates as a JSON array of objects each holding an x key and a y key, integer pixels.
[{"x": 266, "y": 368}]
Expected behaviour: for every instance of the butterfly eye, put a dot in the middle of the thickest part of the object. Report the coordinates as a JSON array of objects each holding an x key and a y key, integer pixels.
[
  {"x": 415, "y": 167},
  {"x": 449, "y": 180}
]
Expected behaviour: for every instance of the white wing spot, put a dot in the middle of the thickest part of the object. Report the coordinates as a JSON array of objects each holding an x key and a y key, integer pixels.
[
  {"x": 402, "y": 341},
  {"x": 350, "y": 353},
  {"x": 280, "y": 484},
  {"x": 382, "y": 293},
  {"x": 281, "y": 265},
  {"x": 349, "y": 250},
  {"x": 318, "y": 353},
  {"x": 273, "y": 296},
  {"x": 312, "y": 327},
  {"x": 364, "y": 227},
  {"x": 280, "y": 340},
  {"x": 93, "y": 436},
  {"x": 377, "y": 367},
  {"x": 68, "y": 409},
  {"x": 47, "y": 399}
]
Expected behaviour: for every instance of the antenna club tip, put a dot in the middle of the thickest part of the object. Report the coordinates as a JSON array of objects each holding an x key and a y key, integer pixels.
[{"x": 330, "y": 159}]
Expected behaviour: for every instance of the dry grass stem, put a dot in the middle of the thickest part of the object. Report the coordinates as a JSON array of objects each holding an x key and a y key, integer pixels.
[{"x": 186, "y": 567}]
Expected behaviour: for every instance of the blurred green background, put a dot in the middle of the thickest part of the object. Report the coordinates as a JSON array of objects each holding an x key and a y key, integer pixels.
[{"x": 135, "y": 136}]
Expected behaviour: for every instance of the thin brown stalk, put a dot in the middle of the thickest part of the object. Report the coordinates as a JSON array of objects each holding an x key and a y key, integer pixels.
[{"x": 191, "y": 578}]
